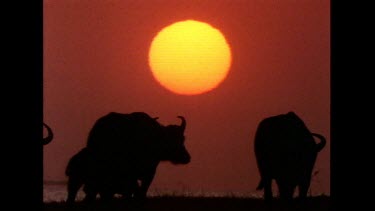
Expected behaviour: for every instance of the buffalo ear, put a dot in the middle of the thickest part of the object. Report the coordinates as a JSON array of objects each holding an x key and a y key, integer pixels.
[{"x": 183, "y": 123}]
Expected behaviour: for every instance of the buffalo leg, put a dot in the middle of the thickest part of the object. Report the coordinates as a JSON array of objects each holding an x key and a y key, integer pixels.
[
  {"x": 267, "y": 189},
  {"x": 73, "y": 186},
  {"x": 304, "y": 187},
  {"x": 107, "y": 189},
  {"x": 145, "y": 184},
  {"x": 90, "y": 193},
  {"x": 286, "y": 191},
  {"x": 131, "y": 188}
]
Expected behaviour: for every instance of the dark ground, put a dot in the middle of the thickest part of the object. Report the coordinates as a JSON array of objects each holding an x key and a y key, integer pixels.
[{"x": 321, "y": 203}]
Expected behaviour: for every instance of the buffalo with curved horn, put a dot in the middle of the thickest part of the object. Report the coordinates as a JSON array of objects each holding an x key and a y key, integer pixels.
[
  {"x": 49, "y": 137},
  {"x": 122, "y": 154},
  {"x": 285, "y": 151}
]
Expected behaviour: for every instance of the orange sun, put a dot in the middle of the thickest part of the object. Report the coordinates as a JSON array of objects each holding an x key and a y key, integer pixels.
[{"x": 189, "y": 57}]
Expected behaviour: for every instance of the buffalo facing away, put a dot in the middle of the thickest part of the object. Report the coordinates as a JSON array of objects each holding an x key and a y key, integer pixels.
[
  {"x": 285, "y": 150},
  {"x": 122, "y": 154}
]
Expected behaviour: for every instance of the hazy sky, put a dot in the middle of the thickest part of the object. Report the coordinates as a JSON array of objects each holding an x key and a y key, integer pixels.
[{"x": 95, "y": 62}]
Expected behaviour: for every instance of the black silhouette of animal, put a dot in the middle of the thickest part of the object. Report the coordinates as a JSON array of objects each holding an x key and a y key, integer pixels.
[
  {"x": 285, "y": 151},
  {"x": 49, "y": 137},
  {"x": 124, "y": 151},
  {"x": 78, "y": 171}
]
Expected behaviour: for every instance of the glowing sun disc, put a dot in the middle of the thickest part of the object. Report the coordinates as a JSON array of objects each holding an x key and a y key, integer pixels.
[{"x": 189, "y": 57}]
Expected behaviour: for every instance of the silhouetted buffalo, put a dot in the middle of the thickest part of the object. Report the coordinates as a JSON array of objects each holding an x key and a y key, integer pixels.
[
  {"x": 123, "y": 152},
  {"x": 285, "y": 150},
  {"x": 49, "y": 137},
  {"x": 78, "y": 170}
]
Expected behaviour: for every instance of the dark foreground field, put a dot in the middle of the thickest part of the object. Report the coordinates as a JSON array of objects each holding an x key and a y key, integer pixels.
[{"x": 321, "y": 203}]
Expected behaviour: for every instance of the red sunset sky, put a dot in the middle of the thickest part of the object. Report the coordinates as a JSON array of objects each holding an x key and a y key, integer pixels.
[{"x": 96, "y": 61}]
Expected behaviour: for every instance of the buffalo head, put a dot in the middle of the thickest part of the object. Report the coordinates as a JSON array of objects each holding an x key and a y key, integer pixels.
[{"x": 174, "y": 143}]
